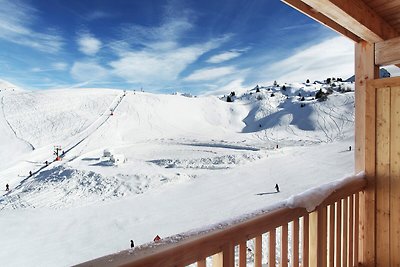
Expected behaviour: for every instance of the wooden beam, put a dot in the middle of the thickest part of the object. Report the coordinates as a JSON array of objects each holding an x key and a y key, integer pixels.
[
  {"x": 365, "y": 70},
  {"x": 355, "y": 16},
  {"x": 310, "y": 12},
  {"x": 387, "y": 52}
]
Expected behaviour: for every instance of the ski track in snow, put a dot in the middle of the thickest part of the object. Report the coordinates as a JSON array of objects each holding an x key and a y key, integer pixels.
[{"x": 12, "y": 129}]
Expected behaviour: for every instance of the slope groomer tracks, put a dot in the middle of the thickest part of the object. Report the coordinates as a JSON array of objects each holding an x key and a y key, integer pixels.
[
  {"x": 12, "y": 129},
  {"x": 88, "y": 132}
]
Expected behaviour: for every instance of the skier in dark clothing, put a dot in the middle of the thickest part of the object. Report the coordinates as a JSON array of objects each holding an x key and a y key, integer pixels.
[
  {"x": 30, "y": 173},
  {"x": 7, "y": 187},
  {"x": 132, "y": 244},
  {"x": 277, "y": 188}
]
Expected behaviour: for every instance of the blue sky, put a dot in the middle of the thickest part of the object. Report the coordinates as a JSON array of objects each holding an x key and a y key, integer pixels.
[{"x": 165, "y": 46}]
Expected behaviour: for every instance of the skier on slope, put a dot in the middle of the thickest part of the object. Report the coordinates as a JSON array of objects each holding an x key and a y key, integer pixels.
[
  {"x": 7, "y": 187},
  {"x": 132, "y": 244},
  {"x": 277, "y": 188}
]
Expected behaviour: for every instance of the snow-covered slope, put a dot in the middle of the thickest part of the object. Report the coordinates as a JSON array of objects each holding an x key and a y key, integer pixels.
[{"x": 178, "y": 155}]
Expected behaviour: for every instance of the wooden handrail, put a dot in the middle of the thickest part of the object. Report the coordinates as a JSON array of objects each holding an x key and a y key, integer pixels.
[{"x": 196, "y": 248}]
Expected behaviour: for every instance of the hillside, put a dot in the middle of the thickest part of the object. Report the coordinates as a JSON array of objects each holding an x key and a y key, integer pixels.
[{"x": 177, "y": 155}]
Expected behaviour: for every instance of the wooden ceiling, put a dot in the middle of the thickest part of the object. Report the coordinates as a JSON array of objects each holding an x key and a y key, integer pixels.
[
  {"x": 369, "y": 20},
  {"x": 389, "y": 10},
  {"x": 373, "y": 21}
]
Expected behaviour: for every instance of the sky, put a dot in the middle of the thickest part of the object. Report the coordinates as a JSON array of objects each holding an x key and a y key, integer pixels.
[{"x": 199, "y": 47}]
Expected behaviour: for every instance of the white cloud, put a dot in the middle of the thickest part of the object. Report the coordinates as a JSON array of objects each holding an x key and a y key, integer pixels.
[
  {"x": 88, "y": 71},
  {"x": 59, "y": 65},
  {"x": 159, "y": 56},
  {"x": 175, "y": 23},
  {"x": 210, "y": 74},
  {"x": 157, "y": 66},
  {"x": 330, "y": 58},
  {"x": 97, "y": 14},
  {"x": 16, "y": 19},
  {"x": 56, "y": 66},
  {"x": 88, "y": 44},
  {"x": 225, "y": 88},
  {"x": 224, "y": 56}
]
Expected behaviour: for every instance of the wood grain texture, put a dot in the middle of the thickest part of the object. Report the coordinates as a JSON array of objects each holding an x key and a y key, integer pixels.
[
  {"x": 295, "y": 242},
  {"x": 387, "y": 52},
  {"x": 258, "y": 251},
  {"x": 272, "y": 248},
  {"x": 365, "y": 147},
  {"x": 395, "y": 176},
  {"x": 284, "y": 245},
  {"x": 356, "y": 16},
  {"x": 383, "y": 175}
]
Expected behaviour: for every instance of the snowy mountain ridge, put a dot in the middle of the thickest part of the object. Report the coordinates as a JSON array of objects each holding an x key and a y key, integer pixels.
[{"x": 122, "y": 151}]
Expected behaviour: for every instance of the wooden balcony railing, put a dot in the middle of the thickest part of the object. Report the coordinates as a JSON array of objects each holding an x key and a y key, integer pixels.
[{"x": 327, "y": 236}]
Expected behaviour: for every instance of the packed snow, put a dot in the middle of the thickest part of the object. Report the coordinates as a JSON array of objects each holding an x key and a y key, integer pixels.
[{"x": 135, "y": 165}]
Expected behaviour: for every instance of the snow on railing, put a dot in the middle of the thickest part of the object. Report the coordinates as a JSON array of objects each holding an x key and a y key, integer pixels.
[{"x": 323, "y": 230}]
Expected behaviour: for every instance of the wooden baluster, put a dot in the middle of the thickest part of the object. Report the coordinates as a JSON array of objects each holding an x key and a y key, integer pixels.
[
  {"x": 344, "y": 233},
  {"x": 318, "y": 238},
  {"x": 272, "y": 248},
  {"x": 218, "y": 260},
  {"x": 306, "y": 239},
  {"x": 284, "y": 245},
  {"x": 351, "y": 225},
  {"x": 228, "y": 254},
  {"x": 258, "y": 251},
  {"x": 201, "y": 263},
  {"x": 357, "y": 227},
  {"x": 338, "y": 250},
  {"x": 242, "y": 254},
  {"x": 331, "y": 235},
  {"x": 323, "y": 236},
  {"x": 295, "y": 243}
]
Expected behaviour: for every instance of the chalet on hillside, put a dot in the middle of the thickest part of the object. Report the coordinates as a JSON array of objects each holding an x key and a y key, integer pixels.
[{"x": 358, "y": 224}]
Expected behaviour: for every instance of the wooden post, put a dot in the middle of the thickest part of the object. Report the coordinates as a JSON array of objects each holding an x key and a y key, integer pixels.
[{"x": 365, "y": 69}]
